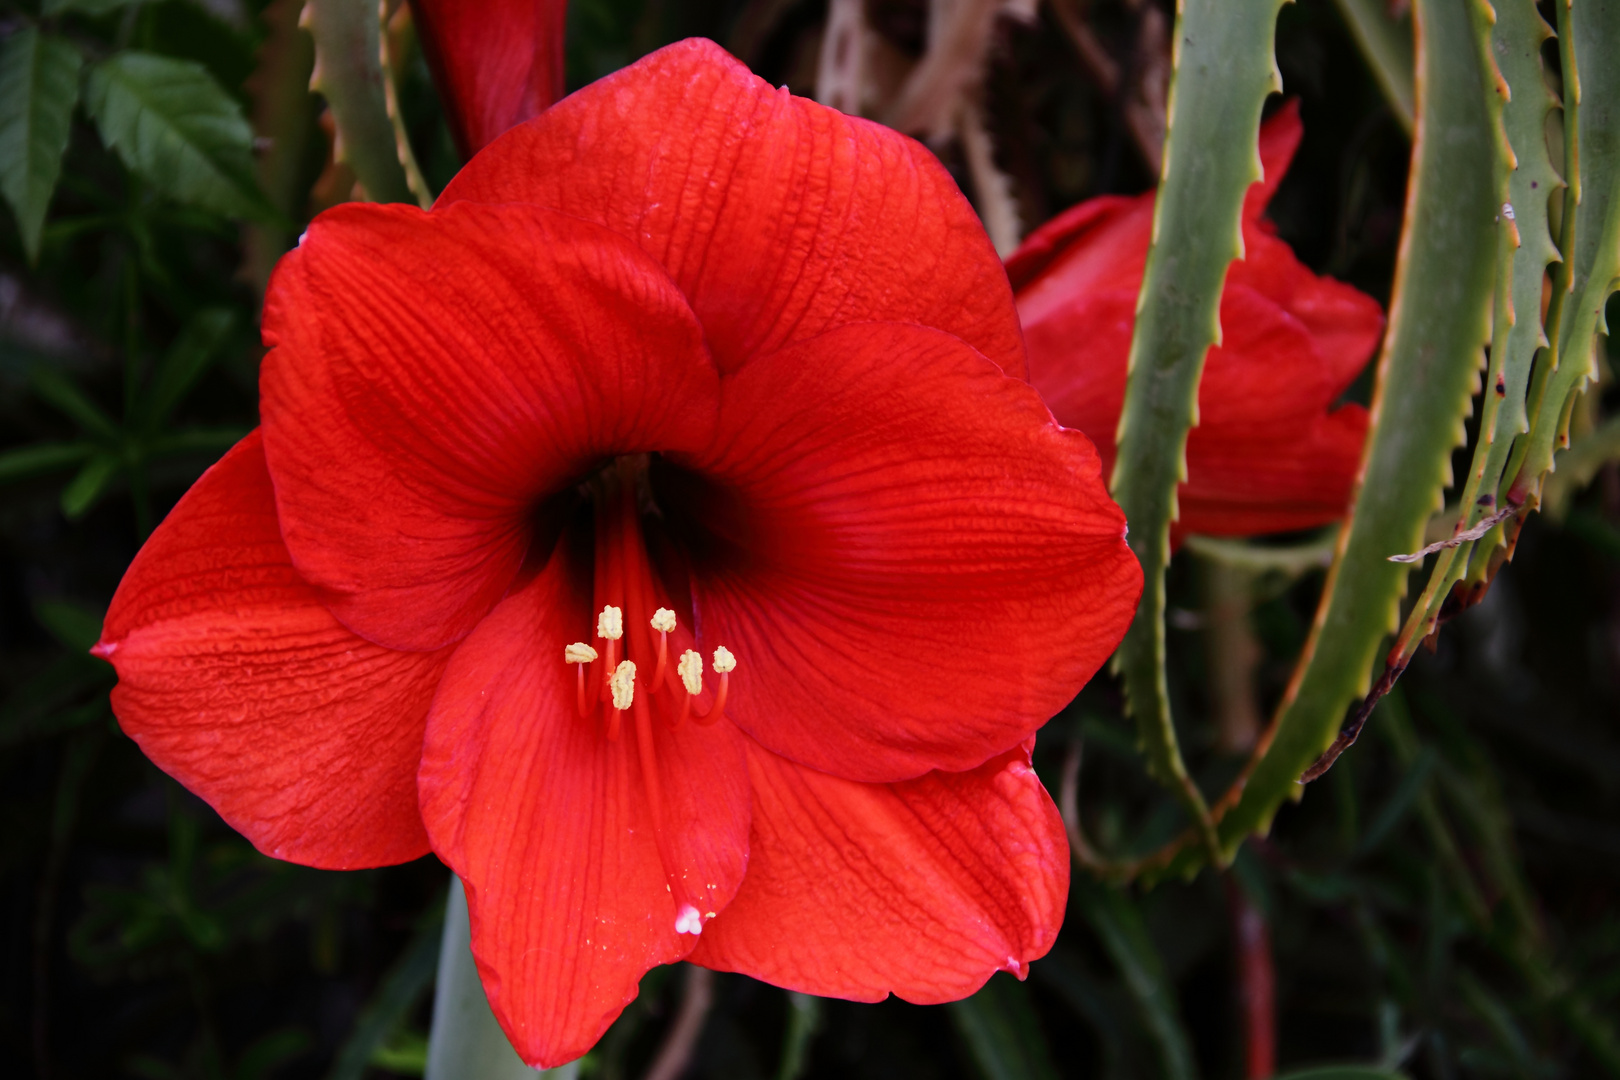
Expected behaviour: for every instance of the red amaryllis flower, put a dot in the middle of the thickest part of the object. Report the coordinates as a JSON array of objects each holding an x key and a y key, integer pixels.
[
  {"x": 1269, "y": 453},
  {"x": 496, "y": 62},
  {"x": 658, "y": 531}
]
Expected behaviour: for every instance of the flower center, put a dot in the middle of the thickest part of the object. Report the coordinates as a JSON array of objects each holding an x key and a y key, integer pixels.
[{"x": 629, "y": 670}]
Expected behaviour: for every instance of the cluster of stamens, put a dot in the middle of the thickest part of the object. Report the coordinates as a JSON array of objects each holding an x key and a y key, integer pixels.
[{"x": 617, "y": 687}]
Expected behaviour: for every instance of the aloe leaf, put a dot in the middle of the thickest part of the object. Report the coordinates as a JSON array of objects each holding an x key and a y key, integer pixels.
[
  {"x": 1223, "y": 71},
  {"x": 1438, "y": 321},
  {"x": 39, "y": 85},
  {"x": 1003, "y": 1033},
  {"x": 1511, "y": 50},
  {"x": 174, "y": 125},
  {"x": 1592, "y": 134},
  {"x": 1386, "y": 45},
  {"x": 349, "y": 75}
]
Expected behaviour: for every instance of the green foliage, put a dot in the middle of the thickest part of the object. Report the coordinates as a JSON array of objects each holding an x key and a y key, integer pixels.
[
  {"x": 1426, "y": 375},
  {"x": 82, "y": 7},
  {"x": 1000, "y": 1028},
  {"x": 174, "y": 125},
  {"x": 1224, "y": 70},
  {"x": 39, "y": 86},
  {"x": 1386, "y": 42},
  {"x": 349, "y": 75}
]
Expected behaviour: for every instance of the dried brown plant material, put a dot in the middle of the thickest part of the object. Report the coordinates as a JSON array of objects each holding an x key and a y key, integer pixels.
[
  {"x": 841, "y": 74},
  {"x": 958, "y": 43}
]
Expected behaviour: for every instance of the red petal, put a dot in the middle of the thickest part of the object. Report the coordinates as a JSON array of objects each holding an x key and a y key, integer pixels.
[
  {"x": 923, "y": 889},
  {"x": 550, "y": 827},
  {"x": 1052, "y": 240},
  {"x": 777, "y": 217},
  {"x": 1273, "y": 481},
  {"x": 434, "y": 375},
  {"x": 234, "y": 680},
  {"x": 1345, "y": 324},
  {"x": 931, "y": 567},
  {"x": 496, "y": 62}
]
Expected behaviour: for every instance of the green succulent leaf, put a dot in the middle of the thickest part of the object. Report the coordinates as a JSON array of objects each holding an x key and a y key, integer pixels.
[
  {"x": 1223, "y": 71},
  {"x": 1591, "y": 36},
  {"x": 1432, "y": 354},
  {"x": 39, "y": 85},
  {"x": 175, "y": 126},
  {"x": 1518, "y": 102},
  {"x": 349, "y": 75},
  {"x": 1386, "y": 44}
]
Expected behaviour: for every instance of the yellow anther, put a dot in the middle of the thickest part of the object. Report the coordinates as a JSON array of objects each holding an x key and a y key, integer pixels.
[
  {"x": 663, "y": 620},
  {"x": 610, "y": 624},
  {"x": 724, "y": 661},
  {"x": 690, "y": 669},
  {"x": 623, "y": 684},
  {"x": 579, "y": 653}
]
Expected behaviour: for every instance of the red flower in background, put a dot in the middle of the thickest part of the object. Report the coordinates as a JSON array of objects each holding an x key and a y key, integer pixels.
[
  {"x": 1269, "y": 452},
  {"x": 496, "y": 63},
  {"x": 748, "y": 372}
]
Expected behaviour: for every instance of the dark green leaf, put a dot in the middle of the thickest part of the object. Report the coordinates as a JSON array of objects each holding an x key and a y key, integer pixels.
[
  {"x": 190, "y": 355},
  {"x": 41, "y": 459},
  {"x": 265, "y": 1057},
  {"x": 1343, "y": 1072},
  {"x": 178, "y": 128},
  {"x": 61, "y": 392},
  {"x": 804, "y": 1019},
  {"x": 383, "y": 1015},
  {"x": 1000, "y": 1028},
  {"x": 39, "y": 85},
  {"x": 91, "y": 483},
  {"x": 83, "y": 7},
  {"x": 1125, "y": 938},
  {"x": 196, "y": 441},
  {"x": 1386, "y": 45},
  {"x": 74, "y": 627}
]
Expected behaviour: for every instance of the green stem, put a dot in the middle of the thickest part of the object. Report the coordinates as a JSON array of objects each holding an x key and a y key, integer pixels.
[{"x": 466, "y": 1043}]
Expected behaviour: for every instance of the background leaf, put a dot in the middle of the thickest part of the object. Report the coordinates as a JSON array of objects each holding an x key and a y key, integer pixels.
[
  {"x": 178, "y": 128},
  {"x": 39, "y": 85}
]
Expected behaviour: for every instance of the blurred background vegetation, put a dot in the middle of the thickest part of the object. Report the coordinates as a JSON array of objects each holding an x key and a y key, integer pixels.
[{"x": 1445, "y": 902}]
